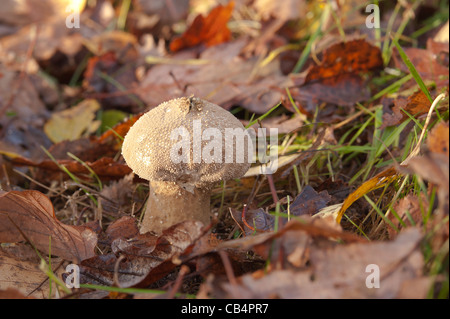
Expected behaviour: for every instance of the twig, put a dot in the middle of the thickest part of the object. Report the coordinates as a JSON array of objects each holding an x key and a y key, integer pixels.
[
  {"x": 183, "y": 271},
  {"x": 116, "y": 271},
  {"x": 230, "y": 273},
  {"x": 228, "y": 268}
]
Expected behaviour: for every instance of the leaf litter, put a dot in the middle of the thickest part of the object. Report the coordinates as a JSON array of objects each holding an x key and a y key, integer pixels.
[{"x": 67, "y": 196}]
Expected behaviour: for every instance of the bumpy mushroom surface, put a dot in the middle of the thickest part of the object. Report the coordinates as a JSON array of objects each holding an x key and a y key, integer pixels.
[{"x": 170, "y": 146}]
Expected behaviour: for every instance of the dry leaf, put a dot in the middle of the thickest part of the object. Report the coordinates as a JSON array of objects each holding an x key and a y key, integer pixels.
[
  {"x": 22, "y": 278},
  {"x": 70, "y": 124},
  {"x": 283, "y": 10},
  {"x": 438, "y": 139},
  {"x": 147, "y": 260},
  {"x": 416, "y": 104},
  {"x": 337, "y": 78},
  {"x": 31, "y": 214},
  {"x": 104, "y": 168},
  {"x": 341, "y": 272},
  {"x": 346, "y": 57},
  {"x": 408, "y": 207},
  {"x": 210, "y": 30},
  {"x": 378, "y": 181}
]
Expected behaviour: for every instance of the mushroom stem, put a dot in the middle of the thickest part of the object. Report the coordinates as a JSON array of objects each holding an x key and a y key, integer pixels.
[{"x": 169, "y": 204}]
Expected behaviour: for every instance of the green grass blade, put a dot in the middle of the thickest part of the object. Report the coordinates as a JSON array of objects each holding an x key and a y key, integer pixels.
[{"x": 413, "y": 70}]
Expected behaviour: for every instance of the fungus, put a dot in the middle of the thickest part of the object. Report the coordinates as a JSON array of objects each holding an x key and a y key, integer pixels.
[{"x": 183, "y": 147}]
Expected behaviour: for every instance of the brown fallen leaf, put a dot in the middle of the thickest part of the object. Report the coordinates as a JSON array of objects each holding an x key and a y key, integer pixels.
[
  {"x": 434, "y": 168},
  {"x": 288, "y": 248},
  {"x": 104, "y": 168},
  {"x": 438, "y": 139},
  {"x": 426, "y": 63},
  {"x": 124, "y": 227},
  {"x": 31, "y": 214},
  {"x": 337, "y": 79},
  {"x": 12, "y": 293},
  {"x": 111, "y": 81},
  {"x": 346, "y": 57},
  {"x": 120, "y": 129},
  {"x": 146, "y": 260},
  {"x": 409, "y": 208},
  {"x": 20, "y": 272},
  {"x": 343, "y": 89},
  {"x": 342, "y": 272},
  {"x": 416, "y": 104},
  {"x": 284, "y": 11},
  {"x": 219, "y": 74},
  {"x": 210, "y": 30},
  {"x": 117, "y": 195},
  {"x": 120, "y": 44},
  {"x": 21, "y": 133},
  {"x": 307, "y": 203}
]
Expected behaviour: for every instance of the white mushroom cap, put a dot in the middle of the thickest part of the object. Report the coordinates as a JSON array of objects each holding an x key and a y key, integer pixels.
[{"x": 148, "y": 145}]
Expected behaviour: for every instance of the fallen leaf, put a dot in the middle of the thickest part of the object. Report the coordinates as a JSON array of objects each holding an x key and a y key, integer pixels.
[
  {"x": 434, "y": 168},
  {"x": 337, "y": 78},
  {"x": 286, "y": 10},
  {"x": 346, "y": 57},
  {"x": 12, "y": 293},
  {"x": 341, "y": 272},
  {"x": 87, "y": 149},
  {"x": 22, "y": 113},
  {"x": 104, "y": 168},
  {"x": 167, "y": 14},
  {"x": 223, "y": 77},
  {"x": 210, "y": 30},
  {"x": 111, "y": 81},
  {"x": 124, "y": 227},
  {"x": 122, "y": 45},
  {"x": 120, "y": 129},
  {"x": 37, "y": 11},
  {"x": 72, "y": 123},
  {"x": 442, "y": 35},
  {"x": 409, "y": 209},
  {"x": 31, "y": 213},
  {"x": 380, "y": 180},
  {"x": 117, "y": 195},
  {"x": 416, "y": 104},
  {"x": 309, "y": 202},
  {"x": 343, "y": 89},
  {"x": 426, "y": 64},
  {"x": 20, "y": 273},
  {"x": 147, "y": 260},
  {"x": 438, "y": 139}
]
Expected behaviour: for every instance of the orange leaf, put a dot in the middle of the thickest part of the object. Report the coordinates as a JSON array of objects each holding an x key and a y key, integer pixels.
[
  {"x": 105, "y": 167},
  {"x": 416, "y": 104},
  {"x": 346, "y": 57},
  {"x": 210, "y": 31},
  {"x": 31, "y": 214},
  {"x": 120, "y": 129},
  {"x": 380, "y": 180}
]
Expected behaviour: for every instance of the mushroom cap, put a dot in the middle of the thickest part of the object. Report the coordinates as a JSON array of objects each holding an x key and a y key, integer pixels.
[{"x": 149, "y": 144}]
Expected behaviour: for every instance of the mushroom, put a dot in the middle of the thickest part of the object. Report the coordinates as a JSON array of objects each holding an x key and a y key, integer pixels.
[{"x": 182, "y": 162}]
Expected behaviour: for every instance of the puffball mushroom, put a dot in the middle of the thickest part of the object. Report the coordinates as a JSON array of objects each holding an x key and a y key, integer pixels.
[{"x": 183, "y": 147}]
